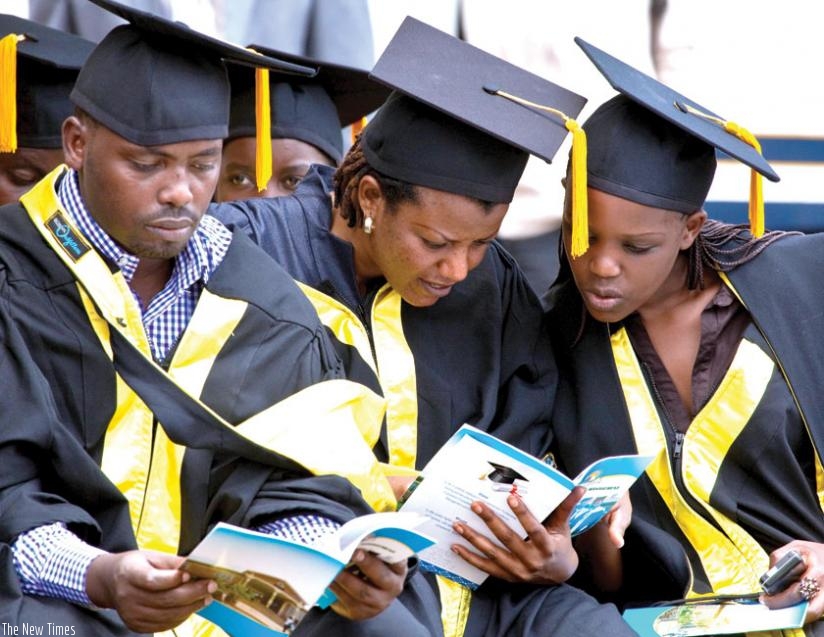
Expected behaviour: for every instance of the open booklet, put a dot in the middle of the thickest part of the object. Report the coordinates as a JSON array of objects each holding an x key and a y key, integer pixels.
[
  {"x": 723, "y": 618},
  {"x": 266, "y": 584},
  {"x": 474, "y": 465}
]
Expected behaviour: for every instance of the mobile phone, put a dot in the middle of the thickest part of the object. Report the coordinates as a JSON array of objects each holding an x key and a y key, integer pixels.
[{"x": 783, "y": 573}]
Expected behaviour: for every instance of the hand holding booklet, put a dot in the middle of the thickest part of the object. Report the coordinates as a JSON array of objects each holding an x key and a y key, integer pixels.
[
  {"x": 474, "y": 465},
  {"x": 266, "y": 584}
]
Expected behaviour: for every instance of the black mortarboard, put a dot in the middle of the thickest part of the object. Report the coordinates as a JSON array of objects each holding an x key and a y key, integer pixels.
[
  {"x": 446, "y": 128},
  {"x": 503, "y": 474},
  {"x": 154, "y": 81},
  {"x": 47, "y": 62},
  {"x": 654, "y": 146},
  {"x": 312, "y": 110}
]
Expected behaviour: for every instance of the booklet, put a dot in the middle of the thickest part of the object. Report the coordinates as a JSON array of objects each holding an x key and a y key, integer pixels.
[
  {"x": 266, "y": 584},
  {"x": 474, "y": 465},
  {"x": 723, "y": 618}
]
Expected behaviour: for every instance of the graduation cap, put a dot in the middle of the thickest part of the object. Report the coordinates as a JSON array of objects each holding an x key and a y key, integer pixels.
[
  {"x": 174, "y": 83},
  {"x": 654, "y": 146},
  {"x": 40, "y": 65},
  {"x": 502, "y": 474},
  {"x": 452, "y": 124},
  {"x": 312, "y": 110}
]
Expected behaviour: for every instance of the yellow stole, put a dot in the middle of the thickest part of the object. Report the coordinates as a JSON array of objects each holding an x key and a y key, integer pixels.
[
  {"x": 322, "y": 427},
  {"x": 731, "y": 558}
]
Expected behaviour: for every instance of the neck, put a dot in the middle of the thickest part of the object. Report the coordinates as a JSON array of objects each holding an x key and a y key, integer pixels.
[
  {"x": 365, "y": 267},
  {"x": 151, "y": 277},
  {"x": 674, "y": 294}
]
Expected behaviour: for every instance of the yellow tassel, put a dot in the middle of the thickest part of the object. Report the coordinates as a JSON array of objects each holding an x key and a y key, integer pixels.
[
  {"x": 8, "y": 93},
  {"x": 357, "y": 128},
  {"x": 263, "y": 122},
  {"x": 580, "y": 209},
  {"x": 756, "y": 212}
]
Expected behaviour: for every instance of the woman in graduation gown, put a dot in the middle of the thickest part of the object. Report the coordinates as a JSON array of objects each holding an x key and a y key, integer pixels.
[
  {"x": 694, "y": 342},
  {"x": 396, "y": 250}
]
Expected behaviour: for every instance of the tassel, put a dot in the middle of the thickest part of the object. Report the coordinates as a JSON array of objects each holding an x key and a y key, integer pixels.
[
  {"x": 263, "y": 123},
  {"x": 8, "y": 94},
  {"x": 756, "y": 209},
  {"x": 580, "y": 210},
  {"x": 357, "y": 128}
]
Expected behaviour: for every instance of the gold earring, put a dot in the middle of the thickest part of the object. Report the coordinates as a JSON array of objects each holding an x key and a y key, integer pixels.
[{"x": 367, "y": 225}]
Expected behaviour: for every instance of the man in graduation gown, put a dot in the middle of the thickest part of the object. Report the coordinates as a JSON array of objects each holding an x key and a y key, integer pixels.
[
  {"x": 736, "y": 480},
  {"x": 120, "y": 303}
]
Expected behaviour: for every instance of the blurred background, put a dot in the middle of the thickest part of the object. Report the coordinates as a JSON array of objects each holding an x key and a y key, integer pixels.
[{"x": 754, "y": 62}]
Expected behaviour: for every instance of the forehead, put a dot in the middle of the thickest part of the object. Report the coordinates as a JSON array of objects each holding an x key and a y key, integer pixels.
[
  {"x": 610, "y": 212},
  {"x": 454, "y": 215}
]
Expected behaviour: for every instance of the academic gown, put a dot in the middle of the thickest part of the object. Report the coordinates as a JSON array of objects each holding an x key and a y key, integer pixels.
[
  {"x": 477, "y": 356},
  {"x": 79, "y": 447},
  {"x": 744, "y": 478}
]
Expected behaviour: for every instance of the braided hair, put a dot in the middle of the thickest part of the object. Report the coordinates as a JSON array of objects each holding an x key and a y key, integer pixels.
[
  {"x": 723, "y": 247},
  {"x": 348, "y": 176}
]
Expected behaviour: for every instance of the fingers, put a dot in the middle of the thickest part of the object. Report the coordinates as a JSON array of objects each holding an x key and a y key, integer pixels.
[
  {"x": 544, "y": 556},
  {"x": 367, "y": 587},
  {"x": 809, "y": 586},
  {"x": 147, "y": 598}
]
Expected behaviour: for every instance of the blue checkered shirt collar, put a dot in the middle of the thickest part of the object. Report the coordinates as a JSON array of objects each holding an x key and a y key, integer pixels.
[{"x": 171, "y": 309}]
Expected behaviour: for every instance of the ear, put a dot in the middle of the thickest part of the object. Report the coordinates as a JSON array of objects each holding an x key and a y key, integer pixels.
[
  {"x": 370, "y": 196},
  {"x": 75, "y": 137},
  {"x": 692, "y": 226}
]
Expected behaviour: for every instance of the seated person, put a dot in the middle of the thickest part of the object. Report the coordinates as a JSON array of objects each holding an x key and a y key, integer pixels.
[
  {"x": 396, "y": 250},
  {"x": 115, "y": 288},
  {"x": 696, "y": 342},
  {"x": 30, "y": 142},
  {"x": 306, "y": 116}
]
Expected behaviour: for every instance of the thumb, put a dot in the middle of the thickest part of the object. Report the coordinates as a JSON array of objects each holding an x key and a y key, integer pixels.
[{"x": 560, "y": 516}]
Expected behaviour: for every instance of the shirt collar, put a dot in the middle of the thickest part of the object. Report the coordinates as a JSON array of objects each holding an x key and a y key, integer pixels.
[{"x": 198, "y": 260}]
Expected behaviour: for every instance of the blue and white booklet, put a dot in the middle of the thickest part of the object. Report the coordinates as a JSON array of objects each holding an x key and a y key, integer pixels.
[
  {"x": 723, "y": 618},
  {"x": 473, "y": 465},
  {"x": 266, "y": 585}
]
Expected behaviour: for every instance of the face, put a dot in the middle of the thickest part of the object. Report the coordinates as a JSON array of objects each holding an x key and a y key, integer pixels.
[
  {"x": 149, "y": 199},
  {"x": 291, "y": 159},
  {"x": 19, "y": 171},
  {"x": 426, "y": 247},
  {"x": 634, "y": 258}
]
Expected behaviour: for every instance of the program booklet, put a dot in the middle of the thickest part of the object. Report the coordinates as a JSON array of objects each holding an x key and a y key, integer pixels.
[
  {"x": 266, "y": 584},
  {"x": 473, "y": 465},
  {"x": 723, "y": 618}
]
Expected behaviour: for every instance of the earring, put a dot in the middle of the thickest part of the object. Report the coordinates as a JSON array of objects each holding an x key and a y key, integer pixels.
[{"x": 367, "y": 225}]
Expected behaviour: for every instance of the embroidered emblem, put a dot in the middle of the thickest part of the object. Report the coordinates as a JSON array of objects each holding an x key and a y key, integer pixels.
[{"x": 71, "y": 241}]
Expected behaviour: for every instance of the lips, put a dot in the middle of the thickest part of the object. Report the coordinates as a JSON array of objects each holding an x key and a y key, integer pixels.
[
  {"x": 437, "y": 289},
  {"x": 603, "y": 300}
]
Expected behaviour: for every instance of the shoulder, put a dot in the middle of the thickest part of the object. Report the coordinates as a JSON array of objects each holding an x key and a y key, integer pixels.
[{"x": 249, "y": 274}]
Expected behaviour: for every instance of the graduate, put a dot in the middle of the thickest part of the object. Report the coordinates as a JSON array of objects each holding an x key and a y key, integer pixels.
[
  {"x": 696, "y": 342},
  {"x": 396, "y": 250},
  {"x": 33, "y": 109},
  {"x": 306, "y": 117},
  {"x": 147, "y": 374}
]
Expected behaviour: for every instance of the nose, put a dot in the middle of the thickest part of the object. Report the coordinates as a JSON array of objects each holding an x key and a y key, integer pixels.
[
  {"x": 177, "y": 191},
  {"x": 603, "y": 265},
  {"x": 455, "y": 267}
]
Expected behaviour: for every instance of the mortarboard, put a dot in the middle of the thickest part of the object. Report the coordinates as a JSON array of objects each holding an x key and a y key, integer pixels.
[
  {"x": 447, "y": 125},
  {"x": 503, "y": 474},
  {"x": 174, "y": 83},
  {"x": 312, "y": 110},
  {"x": 654, "y": 146},
  {"x": 45, "y": 62}
]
